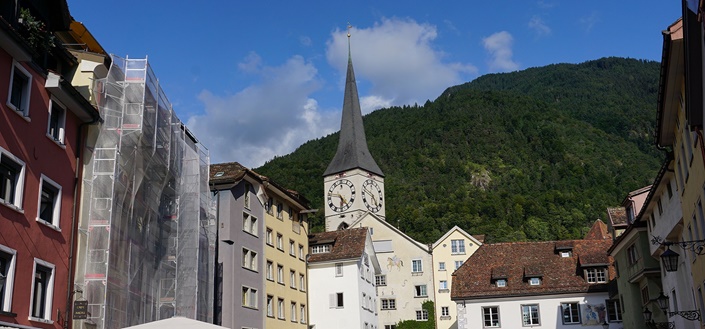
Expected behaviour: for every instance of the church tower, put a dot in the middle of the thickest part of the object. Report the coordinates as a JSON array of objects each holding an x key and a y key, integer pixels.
[{"x": 353, "y": 183}]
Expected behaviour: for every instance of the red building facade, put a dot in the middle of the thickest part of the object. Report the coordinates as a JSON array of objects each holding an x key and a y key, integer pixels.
[{"x": 41, "y": 121}]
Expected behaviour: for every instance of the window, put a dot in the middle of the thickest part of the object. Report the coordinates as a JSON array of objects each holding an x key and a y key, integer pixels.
[
  {"x": 534, "y": 281},
  {"x": 458, "y": 264},
  {"x": 381, "y": 280},
  {"x": 501, "y": 283},
  {"x": 49, "y": 210},
  {"x": 280, "y": 209},
  {"x": 249, "y": 224},
  {"x": 319, "y": 249},
  {"x": 249, "y": 259},
  {"x": 270, "y": 270},
  {"x": 292, "y": 279},
  {"x": 292, "y": 248},
  {"x": 416, "y": 266},
  {"x": 571, "y": 313},
  {"x": 7, "y": 269},
  {"x": 389, "y": 303},
  {"x": 293, "y": 311},
  {"x": 457, "y": 246},
  {"x": 301, "y": 252},
  {"x": 246, "y": 194},
  {"x": 443, "y": 285},
  {"x": 364, "y": 301},
  {"x": 660, "y": 207},
  {"x": 669, "y": 189},
  {"x": 336, "y": 300},
  {"x": 614, "y": 310},
  {"x": 270, "y": 306},
  {"x": 268, "y": 206},
  {"x": 270, "y": 238},
  {"x": 339, "y": 269},
  {"x": 420, "y": 291},
  {"x": 20, "y": 87},
  {"x": 42, "y": 290},
  {"x": 645, "y": 295},
  {"x": 445, "y": 311},
  {"x": 302, "y": 282},
  {"x": 280, "y": 308},
  {"x": 421, "y": 315},
  {"x": 390, "y": 326},
  {"x": 11, "y": 179},
  {"x": 530, "y": 315},
  {"x": 441, "y": 266},
  {"x": 565, "y": 253},
  {"x": 249, "y": 297},
  {"x": 490, "y": 316},
  {"x": 596, "y": 275},
  {"x": 280, "y": 274},
  {"x": 632, "y": 254},
  {"x": 280, "y": 242},
  {"x": 303, "y": 313},
  {"x": 57, "y": 121}
]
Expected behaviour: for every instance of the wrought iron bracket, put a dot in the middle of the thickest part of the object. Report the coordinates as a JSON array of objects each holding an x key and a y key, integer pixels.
[
  {"x": 696, "y": 246},
  {"x": 693, "y": 315}
]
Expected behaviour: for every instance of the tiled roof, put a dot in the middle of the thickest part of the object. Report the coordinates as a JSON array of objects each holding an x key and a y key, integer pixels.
[
  {"x": 517, "y": 261},
  {"x": 231, "y": 172},
  {"x": 598, "y": 231},
  {"x": 345, "y": 244},
  {"x": 479, "y": 237},
  {"x": 617, "y": 216}
]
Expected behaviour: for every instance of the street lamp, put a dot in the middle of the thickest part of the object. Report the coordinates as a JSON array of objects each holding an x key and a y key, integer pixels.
[
  {"x": 670, "y": 260},
  {"x": 663, "y": 303},
  {"x": 647, "y": 315}
]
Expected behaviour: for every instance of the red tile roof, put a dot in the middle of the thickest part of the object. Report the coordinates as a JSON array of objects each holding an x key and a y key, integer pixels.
[
  {"x": 345, "y": 244},
  {"x": 598, "y": 231},
  {"x": 518, "y": 261},
  {"x": 617, "y": 216}
]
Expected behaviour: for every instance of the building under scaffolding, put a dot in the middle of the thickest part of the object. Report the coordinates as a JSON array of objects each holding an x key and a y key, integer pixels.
[{"x": 146, "y": 225}]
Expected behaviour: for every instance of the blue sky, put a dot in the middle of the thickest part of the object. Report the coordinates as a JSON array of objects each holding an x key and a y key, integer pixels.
[{"x": 256, "y": 79}]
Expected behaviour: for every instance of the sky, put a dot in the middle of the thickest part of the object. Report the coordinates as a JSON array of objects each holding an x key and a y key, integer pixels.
[{"x": 256, "y": 79}]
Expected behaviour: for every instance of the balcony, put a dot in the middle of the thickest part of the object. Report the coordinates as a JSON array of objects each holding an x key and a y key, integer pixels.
[{"x": 638, "y": 270}]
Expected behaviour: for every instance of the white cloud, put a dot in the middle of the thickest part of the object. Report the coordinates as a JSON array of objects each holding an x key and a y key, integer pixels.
[
  {"x": 539, "y": 26},
  {"x": 305, "y": 41},
  {"x": 269, "y": 118},
  {"x": 399, "y": 60},
  {"x": 589, "y": 21},
  {"x": 499, "y": 47}
]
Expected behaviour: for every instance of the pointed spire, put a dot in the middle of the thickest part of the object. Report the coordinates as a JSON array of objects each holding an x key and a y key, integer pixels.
[{"x": 352, "y": 146}]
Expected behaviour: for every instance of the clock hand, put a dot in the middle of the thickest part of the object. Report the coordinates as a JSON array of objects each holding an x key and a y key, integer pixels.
[{"x": 371, "y": 194}]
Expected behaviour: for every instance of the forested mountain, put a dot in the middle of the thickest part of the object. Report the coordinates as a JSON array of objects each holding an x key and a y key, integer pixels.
[{"x": 536, "y": 154}]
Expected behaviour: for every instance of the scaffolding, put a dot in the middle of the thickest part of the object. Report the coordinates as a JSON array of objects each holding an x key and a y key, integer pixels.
[{"x": 147, "y": 229}]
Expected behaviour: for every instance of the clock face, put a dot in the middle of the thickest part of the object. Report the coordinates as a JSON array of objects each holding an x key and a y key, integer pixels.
[
  {"x": 341, "y": 195},
  {"x": 372, "y": 195}
]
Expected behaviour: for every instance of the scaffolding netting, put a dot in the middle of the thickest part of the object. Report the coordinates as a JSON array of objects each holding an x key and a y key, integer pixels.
[{"x": 146, "y": 228}]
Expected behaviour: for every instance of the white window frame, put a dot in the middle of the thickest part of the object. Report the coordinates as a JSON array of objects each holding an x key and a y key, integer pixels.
[
  {"x": 59, "y": 136},
  {"x": 280, "y": 242},
  {"x": 564, "y": 309},
  {"x": 441, "y": 266},
  {"x": 249, "y": 224},
  {"x": 337, "y": 300},
  {"x": 338, "y": 269},
  {"x": 320, "y": 249},
  {"x": 458, "y": 264},
  {"x": 249, "y": 297},
  {"x": 270, "y": 237},
  {"x": 493, "y": 314},
  {"x": 292, "y": 248},
  {"x": 270, "y": 306},
  {"x": 280, "y": 309},
  {"x": 23, "y": 110},
  {"x": 388, "y": 304},
  {"x": 416, "y": 266},
  {"x": 457, "y": 247},
  {"x": 270, "y": 270},
  {"x": 500, "y": 283},
  {"x": 596, "y": 275},
  {"x": 9, "y": 278},
  {"x": 246, "y": 194},
  {"x": 280, "y": 274},
  {"x": 380, "y": 280},
  {"x": 56, "y": 213},
  {"x": 292, "y": 278},
  {"x": 302, "y": 282},
  {"x": 443, "y": 284},
  {"x": 293, "y": 311},
  {"x": 420, "y": 290},
  {"x": 18, "y": 192},
  {"x": 48, "y": 298},
  {"x": 302, "y": 307},
  {"x": 445, "y": 311},
  {"x": 249, "y": 259},
  {"x": 528, "y": 308},
  {"x": 301, "y": 252},
  {"x": 421, "y": 315},
  {"x": 534, "y": 281}
]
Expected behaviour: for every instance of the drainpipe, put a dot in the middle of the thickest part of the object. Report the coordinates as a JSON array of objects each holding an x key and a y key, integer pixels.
[{"x": 69, "y": 280}]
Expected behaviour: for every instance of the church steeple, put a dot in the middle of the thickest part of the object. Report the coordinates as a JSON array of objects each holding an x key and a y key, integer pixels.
[{"x": 352, "y": 150}]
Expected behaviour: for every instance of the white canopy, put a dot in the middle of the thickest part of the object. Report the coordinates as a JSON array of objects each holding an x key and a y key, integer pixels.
[{"x": 176, "y": 323}]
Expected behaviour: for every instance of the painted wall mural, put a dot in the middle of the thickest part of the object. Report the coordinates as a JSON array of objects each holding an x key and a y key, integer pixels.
[
  {"x": 593, "y": 314},
  {"x": 394, "y": 261}
]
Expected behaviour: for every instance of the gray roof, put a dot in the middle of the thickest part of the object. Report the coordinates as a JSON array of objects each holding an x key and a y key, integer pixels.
[{"x": 352, "y": 147}]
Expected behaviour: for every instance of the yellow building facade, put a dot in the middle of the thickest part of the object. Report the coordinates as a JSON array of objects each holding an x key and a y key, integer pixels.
[
  {"x": 285, "y": 250},
  {"x": 448, "y": 253}
]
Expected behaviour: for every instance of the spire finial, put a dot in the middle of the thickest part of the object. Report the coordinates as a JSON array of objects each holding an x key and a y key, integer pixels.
[{"x": 349, "y": 27}]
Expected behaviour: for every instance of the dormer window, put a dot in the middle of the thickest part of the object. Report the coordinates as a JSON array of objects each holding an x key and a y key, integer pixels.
[
  {"x": 321, "y": 248},
  {"x": 501, "y": 283},
  {"x": 534, "y": 281},
  {"x": 566, "y": 253},
  {"x": 596, "y": 275}
]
